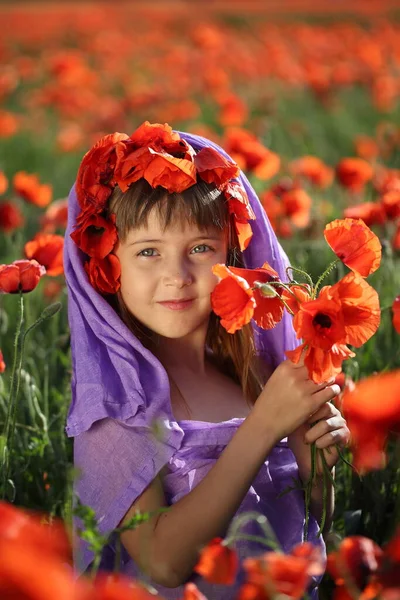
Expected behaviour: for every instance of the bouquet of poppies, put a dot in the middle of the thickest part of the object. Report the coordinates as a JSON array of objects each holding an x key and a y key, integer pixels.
[{"x": 326, "y": 319}]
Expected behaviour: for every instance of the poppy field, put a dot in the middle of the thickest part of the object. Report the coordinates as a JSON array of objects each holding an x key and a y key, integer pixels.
[{"x": 307, "y": 103}]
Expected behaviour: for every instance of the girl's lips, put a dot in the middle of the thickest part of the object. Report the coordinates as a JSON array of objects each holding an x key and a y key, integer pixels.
[{"x": 178, "y": 305}]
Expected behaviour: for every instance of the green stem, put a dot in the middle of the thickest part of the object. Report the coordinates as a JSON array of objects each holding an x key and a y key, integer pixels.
[
  {"x": 306, "y": 275},
  {"x": 328, "y": 270},
  {"x": 95, "y": 566},
  {"x": 13, "y": 395},
  {"x": 262, "y": 520}
]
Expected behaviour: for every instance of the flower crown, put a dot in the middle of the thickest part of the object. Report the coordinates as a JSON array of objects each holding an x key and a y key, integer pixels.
[{"x": 161, "y": 157}]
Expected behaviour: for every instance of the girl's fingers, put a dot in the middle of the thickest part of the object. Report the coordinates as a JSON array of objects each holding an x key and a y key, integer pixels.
[
  {"x": 333, "y": 437},
  {"x": 325, "y": 411},
  {"x": 323, "y": 427}
]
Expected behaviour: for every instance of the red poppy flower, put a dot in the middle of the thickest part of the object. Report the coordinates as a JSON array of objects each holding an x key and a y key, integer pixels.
[
  {"x": 366, "y": 147},
  {"x": 2, "y": 363},
  {"x": 320, "y": 322},
  {"x": 47, "y": 249},
  {"x": 21, "y": 275},
  {"x": 240, "y": 207},
  {"x": 96, "y": 236},
  {"x": 234, "y": 111},
  {"x": 157, "y": 154},
  {"x": 246, "y": 149},
  {"x": 387, "y": 180},
  {"x": 232, "y": 299},
  {"x": 372, "y": 410},
  {"x": 10, "y": 216},
  {"x": 360, "y": 308},
  {"x": 321, "y": 364},
  {"x": 313, "y": 169},
  {"x": 104, "y": 273},
  {"x": 3, "y": 183},
  {"x": 218, "y": 563},
  {"x": 56, "y": 216},
  {"x": 287, "y": 574},
  {"x": 297, "y": 206},
  {"x": 27, "y": 574},
  {"x": 372, "y": 213},
  {"x": 391, "y": 204},
  {"x": 355, "y": 244},
  {"x": 236, "y": 303},
  {"x": 396, "y": 238},
  {"x": 302, "y": 294},
  {"x": 354, "y": 173},
  {"x": 28, "y": 187},
  {"x": 356, "y": 559},
  {"x": 29, "y": 529},
  {"x": 396, "y": 314},
  {"x": 94, "y": 182},
  {"x": 116, "y": 586},
  {"x": 215, "y": 168}
]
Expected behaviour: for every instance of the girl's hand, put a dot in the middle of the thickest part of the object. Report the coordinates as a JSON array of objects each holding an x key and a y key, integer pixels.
[{"x": 326, "y": 427}]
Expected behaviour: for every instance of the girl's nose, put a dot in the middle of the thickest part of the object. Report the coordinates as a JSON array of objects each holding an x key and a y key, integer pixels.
[{"x": 178, "y": 276}]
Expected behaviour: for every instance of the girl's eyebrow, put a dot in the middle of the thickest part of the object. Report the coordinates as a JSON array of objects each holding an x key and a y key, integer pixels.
[{"x": 199, "y": 237}]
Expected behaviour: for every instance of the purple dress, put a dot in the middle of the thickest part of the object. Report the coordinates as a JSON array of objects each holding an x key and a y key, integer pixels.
[
  {"x": 119, "y": 389},
  {"x": 202, "y": 443}
]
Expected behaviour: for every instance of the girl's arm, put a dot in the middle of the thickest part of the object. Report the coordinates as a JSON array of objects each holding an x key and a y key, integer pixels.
[{"x": 168, "y": 546}]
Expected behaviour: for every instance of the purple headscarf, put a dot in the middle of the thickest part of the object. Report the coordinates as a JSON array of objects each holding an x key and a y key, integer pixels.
[{"x": 114, "y": 375}]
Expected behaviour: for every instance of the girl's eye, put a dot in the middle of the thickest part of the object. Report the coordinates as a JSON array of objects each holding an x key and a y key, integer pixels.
[
  {"x": 146, "y": 250},
  {"x": 202, "y": 246}
]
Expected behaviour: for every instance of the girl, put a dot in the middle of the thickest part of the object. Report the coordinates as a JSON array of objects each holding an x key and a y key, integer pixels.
[{"x": 168, "y": 409}]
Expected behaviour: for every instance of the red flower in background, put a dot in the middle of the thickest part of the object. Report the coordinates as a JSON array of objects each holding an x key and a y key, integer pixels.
[
  {"x": 297, "y": 206},
  {"x": 372, "y": 213},
  {"x": 391, "y": 204},
  {"x": 366, "y": 147},
  {"x": 2, "y": 363},
  {"x": 11, "y": 217},
  {"x": 250, "y": 154},
  {"x": 3, "y": 183},
  {"x": 313, "y": 169},
  {"x": 21, "y": 275},
  {"x": 354, "y": 173},
  {"x": 355, "y": 244},
  {"x": 56, "y": 216},
  {"x": 372, "y": 411},
  {"x": 396, "y": 314},
  {"x": 29, "y": 188},
  {"x": 47, "y": 249}
]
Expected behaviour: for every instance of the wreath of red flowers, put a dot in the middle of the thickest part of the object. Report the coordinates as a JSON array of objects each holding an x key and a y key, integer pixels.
[{"x": 160, "y": 156}]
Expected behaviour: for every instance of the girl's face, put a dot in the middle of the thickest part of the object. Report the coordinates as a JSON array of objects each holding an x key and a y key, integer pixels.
[{"x": 175, "y": 264}]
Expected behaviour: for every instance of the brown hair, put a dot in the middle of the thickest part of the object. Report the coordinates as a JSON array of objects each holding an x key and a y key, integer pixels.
[{"x": 204, "y": 205}]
